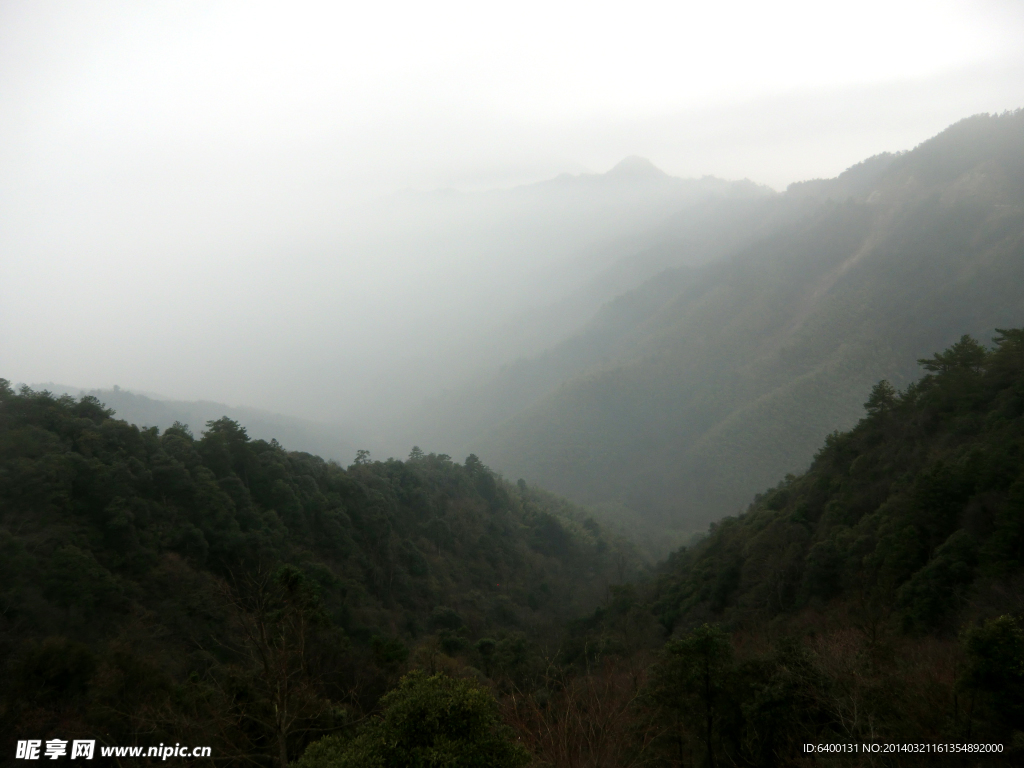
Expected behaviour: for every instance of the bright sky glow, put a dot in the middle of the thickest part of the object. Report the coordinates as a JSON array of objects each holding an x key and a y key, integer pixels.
[{"x": 149, "y": 151}]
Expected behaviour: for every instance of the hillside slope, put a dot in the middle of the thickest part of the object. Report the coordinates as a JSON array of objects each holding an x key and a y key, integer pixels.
[
  {"x": 155, "y": 586},
  {"x": 686, "y": 395},
  {"x": 916, "y": 515},
  {"x": 443, "y": 279},
  {"x": 332, "y": 442},
  {"x": 874, "y": 599}
]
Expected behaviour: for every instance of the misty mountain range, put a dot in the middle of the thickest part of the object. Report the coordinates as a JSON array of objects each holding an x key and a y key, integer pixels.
[
  {"x": 525, "y": 385},
  {"x": 700, "y": 345},
  {"x": 182, "y": 583},
  {"x": 685, "y": 395},
  {"x": 483, "y": 278}
]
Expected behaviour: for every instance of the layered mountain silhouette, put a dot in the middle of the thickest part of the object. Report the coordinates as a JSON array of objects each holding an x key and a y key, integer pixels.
[
  {"x": 333, "y": 442},
  {"x": 474, "y": 280},
  {"x": 635, "y": 167},
  {"x": 688, "y": 393}
]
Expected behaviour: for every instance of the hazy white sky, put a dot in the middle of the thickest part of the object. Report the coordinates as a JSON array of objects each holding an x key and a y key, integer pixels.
[
  {"x": 151, "y": 152},
  {"x": 396, "y": 94}
]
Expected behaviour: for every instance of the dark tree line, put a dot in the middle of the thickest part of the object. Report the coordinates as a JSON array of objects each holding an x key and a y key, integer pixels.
[
  {"x": 163, "y": 587},
  {"x": 877, "y": 597}
]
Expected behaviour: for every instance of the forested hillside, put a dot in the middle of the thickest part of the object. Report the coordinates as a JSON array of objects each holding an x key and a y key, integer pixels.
[
  {"x": 158, "y": 586},
  {"x": 915, "y": 515},
  {"x": 512, "y": 385},
  {"x": 879, "y": 597},
  {"x": 686, "y": 395}
]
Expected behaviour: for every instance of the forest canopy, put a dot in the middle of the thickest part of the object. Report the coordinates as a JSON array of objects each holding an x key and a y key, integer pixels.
[
  {"x": 223, "y": 590},
  {"x": 226, "y": 591}
]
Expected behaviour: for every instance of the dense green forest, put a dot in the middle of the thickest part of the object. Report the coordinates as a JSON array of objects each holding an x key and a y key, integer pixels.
[
  {"x": 162, "y": 587},
  {"x": 218, "y": 590},
  {"x": 685, "y": 396},
  {"x": 877, "y": 597}
]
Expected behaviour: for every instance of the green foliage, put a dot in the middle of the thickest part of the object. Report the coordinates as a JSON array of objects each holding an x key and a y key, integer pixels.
[
  {"x": 445, "y": 618},
  {"x": 56, "y": 669},
  {"x": 994, "y": 677},
  {"x": 427, "y": 721},
  {"x": 926, "y": 595},
  {"x": 908, "y": 510},
  {"x": 691, "y": 679},
  {"x": 883, "y": 397},
  {"x": 966, "y": 356},
  {"x": 838, "y": 594},
  {"x": 388, "y": 651},
  {"x": 226, "y": 591}
]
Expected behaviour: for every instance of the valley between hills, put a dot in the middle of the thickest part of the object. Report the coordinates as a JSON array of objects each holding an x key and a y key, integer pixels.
[{"x": 757, "y": 483}]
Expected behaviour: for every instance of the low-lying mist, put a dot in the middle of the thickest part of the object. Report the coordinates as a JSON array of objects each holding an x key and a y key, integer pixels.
[{"x": 402, "y": 299}]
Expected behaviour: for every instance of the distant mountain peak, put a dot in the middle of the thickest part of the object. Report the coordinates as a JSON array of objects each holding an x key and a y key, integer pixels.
[{"x": 634, "y": 167}]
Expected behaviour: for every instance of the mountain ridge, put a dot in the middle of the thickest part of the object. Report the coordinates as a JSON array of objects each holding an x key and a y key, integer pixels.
[
  {"x": 927, "y": 241},
  {"x": 333, "y": 442}
]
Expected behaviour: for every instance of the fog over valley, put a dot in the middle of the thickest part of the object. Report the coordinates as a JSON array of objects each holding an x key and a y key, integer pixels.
[
  {"x": 254, "y": 208},
  {"x": 522, "y": 385}
]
